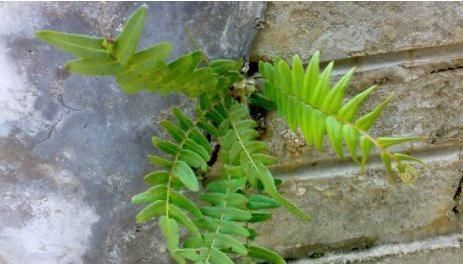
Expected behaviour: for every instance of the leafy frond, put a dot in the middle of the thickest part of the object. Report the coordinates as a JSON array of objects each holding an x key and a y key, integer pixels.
[
  {"x": 225, "y": 220},
  {"x": 144, "y": 70},
  {"x": 241, "y": 149},
  {"x": 244, "y": 150},
  {"x": 188, "y": 151},
  {"x": 306, "y": 99}
]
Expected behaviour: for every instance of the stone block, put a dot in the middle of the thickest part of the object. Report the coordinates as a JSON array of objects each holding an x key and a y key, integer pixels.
[
  {"x": 352, "y": 210},
  {"x": 342, "y": 30}
]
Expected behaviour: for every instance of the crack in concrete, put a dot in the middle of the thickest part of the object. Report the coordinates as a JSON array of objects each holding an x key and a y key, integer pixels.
[
  {"x": 457, "y": 195},
  {"x": 446, "y": 69},
  {"x": 60, "y": 99},
  {"x": 53, "y": 127}
]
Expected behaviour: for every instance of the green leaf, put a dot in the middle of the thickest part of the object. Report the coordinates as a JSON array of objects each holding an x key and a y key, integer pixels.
[
  {"x": 169, "y": 229},
  {"x": 215, "y": 116},
  {"x": 157, "y": 177},
  {"x": 226, "y": 227},
  {"x": 186, "y": 175},
  {"x": 226, "y": 241},
  {"x": 311, "y": 76},
  {"x": 246, "y": 124},
  {"x": 166, "y": 146},
  {"x": 387, "y": 162},
  {"x": 264, "y": 159},
  {"x": 182, "y": 218},
  {"x": 235, "y": 151},
  {"x": 233, "y": 228},
  {"x": 183, "y": 66},
  {"x": 94, "y": 66},
  {"x": 136, "y": 80},
  {"x": 348, "y": 111},
  {"x": 192, "y": 159},
  {"x": 322, "y": 87},
  {"x": 238, "y": 112},
  {"x": 221, "y": 66},
  {"x": 320, "y": 128},
  {"x": 266, "y": 70},
  {"x": 218, "y": 257},
  {"x": 365, "y": 145},
  {"x": 151, "y": 195},
  {"x": 257, "y": 202},
  {"x": 195, "y": 147},
  {"x": 286, "y": 76},
  {"x": 174, "y": 131},
  {"x": 231, "y": 199},
  {"x": 189, "y": 253},
  {"x": 298, "y": 76},
  {"x": 265, "y": 254},
  {"x": 152, "y": 210},
  {"x": 183, "y": 120},
  {"x": 148, "y": 58},
  {"x": 352, "y": 138},
  {"x": 260, "y": 217},
  {"x": 225, "y": 186},
  {"x": 78, "y": 45},
  {"x": 402, "y": 156},
  {"x": 228, "y": 213},
  {"x": 262, "y": 101},
  {"x": 255, "y": 146},
  {"x": 200, "y": 139},
  {"x": 391, "y": 141},
  {"x": 333, "y": 100},
  {"x": 206, "y": 126},
  {"x": 127, "y": 41},
  {"x": 334, "y": 130},
  {"x": 269, "y": 185},
  {"x": 183, "y": 202},
  {"x": 366, "y": 121},
  {"x": 194, "y": 242},
  {"x": 160, "y": 161}
]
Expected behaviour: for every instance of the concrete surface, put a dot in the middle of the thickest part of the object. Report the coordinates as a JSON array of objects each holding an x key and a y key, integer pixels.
[{"x": 73, "y": 149}]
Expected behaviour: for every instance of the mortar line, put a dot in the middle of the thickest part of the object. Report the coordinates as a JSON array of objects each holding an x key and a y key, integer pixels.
[{"x": 346, "y": 168}]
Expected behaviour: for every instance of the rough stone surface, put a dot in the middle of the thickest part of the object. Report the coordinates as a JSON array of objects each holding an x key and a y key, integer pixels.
[
  {"x": 73, "y": 149},
  {"x": 341, "y": 30},
  {"x": 352, "y": 210},
  {"x": 411, "y": 49}
]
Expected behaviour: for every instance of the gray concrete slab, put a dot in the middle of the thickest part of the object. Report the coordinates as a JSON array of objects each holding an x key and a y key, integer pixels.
[{"x": 73, "y": 149}]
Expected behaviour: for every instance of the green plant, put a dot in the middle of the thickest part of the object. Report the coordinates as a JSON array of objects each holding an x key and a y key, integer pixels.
[{"x": 219, "y": 225}]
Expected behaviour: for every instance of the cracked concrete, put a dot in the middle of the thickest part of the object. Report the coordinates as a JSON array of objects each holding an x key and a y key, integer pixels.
[{"x": 73, "y": 149}]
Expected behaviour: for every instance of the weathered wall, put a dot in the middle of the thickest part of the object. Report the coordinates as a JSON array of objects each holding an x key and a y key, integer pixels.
[
  {"x": 73, "y": 149},
  {"x": 414, "y": 50}
]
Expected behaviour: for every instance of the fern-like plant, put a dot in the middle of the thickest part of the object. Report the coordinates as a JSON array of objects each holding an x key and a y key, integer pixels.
[{"x": 244, "y": 192}]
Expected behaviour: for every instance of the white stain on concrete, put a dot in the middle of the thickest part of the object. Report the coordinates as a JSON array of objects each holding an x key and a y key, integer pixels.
[
  {"x": 59, "y": 232},
  {"x": 17, "y": 95}
]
